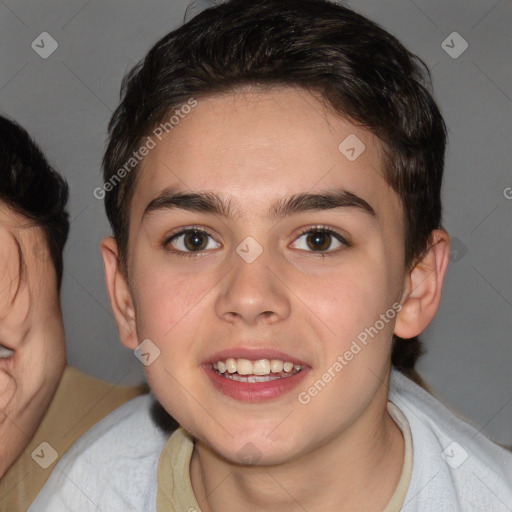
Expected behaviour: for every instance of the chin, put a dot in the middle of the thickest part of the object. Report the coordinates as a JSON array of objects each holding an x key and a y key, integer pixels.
[{"x": 253, "y": 450}]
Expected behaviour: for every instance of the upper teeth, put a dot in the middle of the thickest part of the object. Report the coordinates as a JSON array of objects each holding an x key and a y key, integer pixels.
[
  {"x": 5, "y": 352},
  {"x": 259, "y": 367}
]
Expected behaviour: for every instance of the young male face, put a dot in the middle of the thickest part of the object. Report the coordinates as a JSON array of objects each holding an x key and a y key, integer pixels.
[
  {"x": 32, "y": 354},
  {"x": 255, "y": 150}
]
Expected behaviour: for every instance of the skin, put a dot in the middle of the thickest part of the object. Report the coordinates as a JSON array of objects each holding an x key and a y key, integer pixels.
[
  {"x": 252, "y": 148},
  {"x": 31, "y": 326}
]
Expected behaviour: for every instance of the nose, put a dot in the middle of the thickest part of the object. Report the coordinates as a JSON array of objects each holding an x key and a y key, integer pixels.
[{"x": 253, "y": 293}]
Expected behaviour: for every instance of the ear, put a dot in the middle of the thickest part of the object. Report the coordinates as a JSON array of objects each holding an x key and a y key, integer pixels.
[
  {"x": 119, "y": 293},
  {"x": 423, "y": 285}
]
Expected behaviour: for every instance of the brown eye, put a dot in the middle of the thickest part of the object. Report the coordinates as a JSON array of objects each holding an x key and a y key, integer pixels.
[
  {"x": 319, "y": 240},
  {"x": 195, "y": 241},
  {"x": 190, "y": 241}
]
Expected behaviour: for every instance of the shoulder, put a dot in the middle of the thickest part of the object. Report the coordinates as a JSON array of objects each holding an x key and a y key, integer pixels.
[
  {"x": 80, "y": 402},
  {"x": 113, "y": 464},
  {"x": 454, "y": 466},
  {"x": 87, "y": 388}
]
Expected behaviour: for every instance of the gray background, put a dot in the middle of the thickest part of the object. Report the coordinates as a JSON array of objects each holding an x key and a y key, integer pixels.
[{"x": 65, "y": 102}]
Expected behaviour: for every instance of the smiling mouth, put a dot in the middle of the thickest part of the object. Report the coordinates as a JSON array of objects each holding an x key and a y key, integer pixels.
[
  {"x": 258, "y": 379},
  {"x": 261, "y": 370},
  {"x": 5, "y": 352}
]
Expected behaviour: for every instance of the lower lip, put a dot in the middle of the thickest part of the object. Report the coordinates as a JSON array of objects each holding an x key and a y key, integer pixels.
[{"x": 255, "y": 391}]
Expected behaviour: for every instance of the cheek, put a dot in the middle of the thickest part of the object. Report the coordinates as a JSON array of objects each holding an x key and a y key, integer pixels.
[
  {"x": 348, "y": 299},
  {"x": 9, "y": 283},
  {"x": 8, "y": 387},
  {"x": 159, "y": 305},
  {"x": 168, "y": 303}
]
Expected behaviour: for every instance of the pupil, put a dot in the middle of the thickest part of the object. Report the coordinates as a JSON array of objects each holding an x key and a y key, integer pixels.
[
  {"x": 195, "y": 241},
  {"x": 319, "y": 241}
]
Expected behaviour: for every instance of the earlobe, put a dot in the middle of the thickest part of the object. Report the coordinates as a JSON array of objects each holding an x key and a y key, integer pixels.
[
  {"x": 119, "y": 294},
  {"x": 423, "y": 286}
]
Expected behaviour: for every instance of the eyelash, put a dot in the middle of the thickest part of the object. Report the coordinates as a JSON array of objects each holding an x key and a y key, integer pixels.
[
  {"x": 330, "y": 231},
  {"x": 184, "y": 231},
  {"x": 311, "y": 229}
]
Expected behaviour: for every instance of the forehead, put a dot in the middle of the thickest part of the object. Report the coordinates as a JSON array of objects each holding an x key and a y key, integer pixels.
[
  {"x": 253, "y": 146},
  {"x": 11, "y": 219},
  {"x": 24, "y": 259},
  {"x": 20, "y": 238}
]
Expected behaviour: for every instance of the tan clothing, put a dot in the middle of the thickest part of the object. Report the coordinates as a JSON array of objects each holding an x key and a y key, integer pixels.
[
  {"x": 79, "y": 402},
  {"x": 175, "y": 493}
]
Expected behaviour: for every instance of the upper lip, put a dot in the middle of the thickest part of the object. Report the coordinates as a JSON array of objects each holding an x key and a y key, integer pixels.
[
  {"x": 253, "y": 354},
  {"x": 3, "y": 345}
]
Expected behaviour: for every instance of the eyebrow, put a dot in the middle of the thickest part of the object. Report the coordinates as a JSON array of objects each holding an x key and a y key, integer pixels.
[{"x": 211, "y": 203}]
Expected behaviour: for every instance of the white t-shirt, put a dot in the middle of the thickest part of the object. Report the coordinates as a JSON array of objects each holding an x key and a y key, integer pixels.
[
  {"x": 113, "y": 467},
  {"x": 455, "y": 468}
]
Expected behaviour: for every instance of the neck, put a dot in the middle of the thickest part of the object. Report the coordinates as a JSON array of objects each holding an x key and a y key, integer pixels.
[{"x": 335, "y": 475}]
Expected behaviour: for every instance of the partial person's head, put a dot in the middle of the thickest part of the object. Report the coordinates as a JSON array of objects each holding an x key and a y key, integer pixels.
[
  {"x": 33, "y": 230},
  {"x": 295, "y": 148}
]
